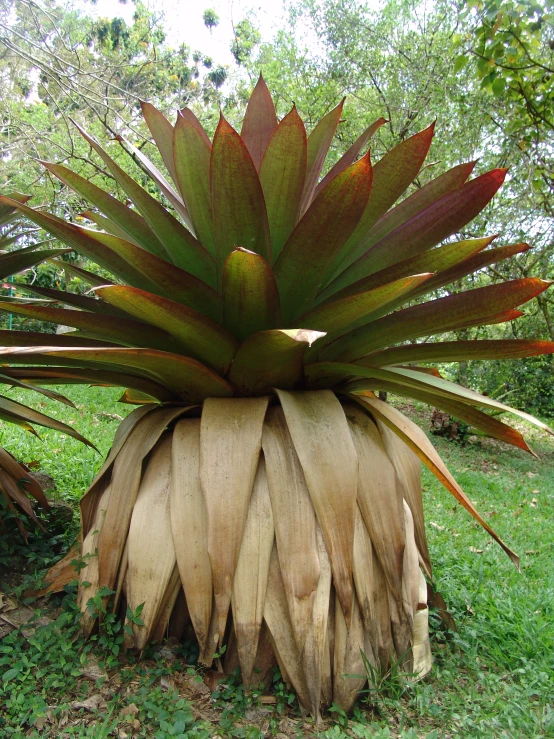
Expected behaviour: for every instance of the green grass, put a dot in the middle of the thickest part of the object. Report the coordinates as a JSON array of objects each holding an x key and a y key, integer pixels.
[
  {"x": 493, "y": 678},
  {"x": 68, "y": 461}
]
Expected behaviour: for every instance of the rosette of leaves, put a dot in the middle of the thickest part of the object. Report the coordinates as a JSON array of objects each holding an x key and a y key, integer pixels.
[{"x": 262, "y": 493}]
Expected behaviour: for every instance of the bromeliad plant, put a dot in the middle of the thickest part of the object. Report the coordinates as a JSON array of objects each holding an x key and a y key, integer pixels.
[{"x": 261, "y": 489}]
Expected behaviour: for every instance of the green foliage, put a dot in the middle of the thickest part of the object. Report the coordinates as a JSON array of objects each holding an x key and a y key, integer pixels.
[
  {"x": 527, "y": 383},
  {"x": 210, "y": 18},
  {"x": 247, "y": 37},
  {"x": 514, "y": 54}
]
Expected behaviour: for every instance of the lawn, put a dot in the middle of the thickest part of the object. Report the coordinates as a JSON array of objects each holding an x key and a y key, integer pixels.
[{"x": 493, "y": 677}]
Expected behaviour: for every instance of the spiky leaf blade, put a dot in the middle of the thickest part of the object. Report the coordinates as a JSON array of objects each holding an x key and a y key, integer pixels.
[
  {"x": 318, "y": 238},
  {"x": 282, "y": 175},
  {"x": 319, "y": 142},
  {"x": 238, "y": 206},
  {"x": 192, "y": 154},
  {"x": 443, "y": 314},
  {"x": 202, "y": 338},
  {"x": 415, "y": 438},
  {"x": 260, "y": 121}
]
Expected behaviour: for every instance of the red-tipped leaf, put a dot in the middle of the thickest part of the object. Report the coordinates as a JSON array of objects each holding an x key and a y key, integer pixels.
[
  {"x": 200, "y": 337},
  {"x": 260, "y": 121},
  {"x": 445, "y": 314},
  {"x": 282, "y": 174},
  {"x": 318, "y": 238},
  {"x": 192, "y": 167},
  {"x": 238, "y": 205},
  {"x": 319, "y": 142}
]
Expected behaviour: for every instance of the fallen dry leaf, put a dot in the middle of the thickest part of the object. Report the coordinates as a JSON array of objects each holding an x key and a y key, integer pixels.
[
  {"x": 89, "y": 704},
  {"x": 92, "y": 670},
  {"x": 268, "y": 699},
  {"x": 476, "y": 551},
  {"x": 130, "y": 710}
]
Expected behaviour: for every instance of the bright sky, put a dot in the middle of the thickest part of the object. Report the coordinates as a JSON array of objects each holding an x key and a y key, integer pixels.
[{"x": 183, "y": 21}]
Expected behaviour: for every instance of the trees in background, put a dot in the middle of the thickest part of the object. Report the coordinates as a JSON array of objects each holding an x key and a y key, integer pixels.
[{"x": 58, "y": 63}]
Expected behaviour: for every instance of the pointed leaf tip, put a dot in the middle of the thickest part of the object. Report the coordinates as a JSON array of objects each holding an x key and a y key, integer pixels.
[{"x": 260, "y": 121}]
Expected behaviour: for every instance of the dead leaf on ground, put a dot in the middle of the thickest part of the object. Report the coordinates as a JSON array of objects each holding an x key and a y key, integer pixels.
[
  {"x": 92, "y": 670},
  {"x": 212, "y": 678},
  {"x": 92, "y": 703},
  {"x": 15, "y": 615},
  {"x": 130, "y": 710}
]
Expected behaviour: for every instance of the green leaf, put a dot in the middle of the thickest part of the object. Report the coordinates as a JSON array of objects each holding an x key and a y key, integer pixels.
[
  {"x": 181, "y": 246},
  {"x": 78, "y": 301},
  {"x": 498, "y": 86},
  {"x": 52, "y": 394},
  {"x": 436, "y": 222},
  {"x": 319, "y": 236},
  {"x": 123, "y": 331},
  {"x": 414, "y": 204},
  {"x": 192, "y": 167},
  {"x": 91, "y": 375},
  {"x": 391, "y": 176},
  {"x": 426, "y": 319},
  {"x": 282, "y": 175},
  {"x": 200, "y": 337},
  {"x": 7, "y": 212},
  {"x": 271, "y": 359},
  {"x": 81, "y": 274},
  {"x": 460, "y": 62},
  {"x": 260, "y": 121},
  {"x": 436, "y": 260},
  {"x": 479, "y": 420},
  {"x": 250, "y": 296},
  {"x": 10, "y": 674},
  {"x": 182, "y": 376},
  {"x": 350, "y": 156},
  {"x": 106, "y": 224},
  {"x": 92, "y": 244},
  {"x": 155, "y": 174},
  {"x": 471, "y": 266},
  {"x": 189, "y": 116},
  {"x": 162, "y": 133},
  {"x": 22, "y": 259},
  {"x": 238, "y": 205},
  {"x": 32, "y": 338},
  {"x": 29, "y": 415},
  {"x": 319, "y": 141},
  {"x": 127, "y": 220},
  {"x": 459, "y": 351},
  {"x": 440, "y": 386},
  {"x": 418, "y": 442},
  {"x": 344, "y": 313},
  {"x": 131, "y": 264}
]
